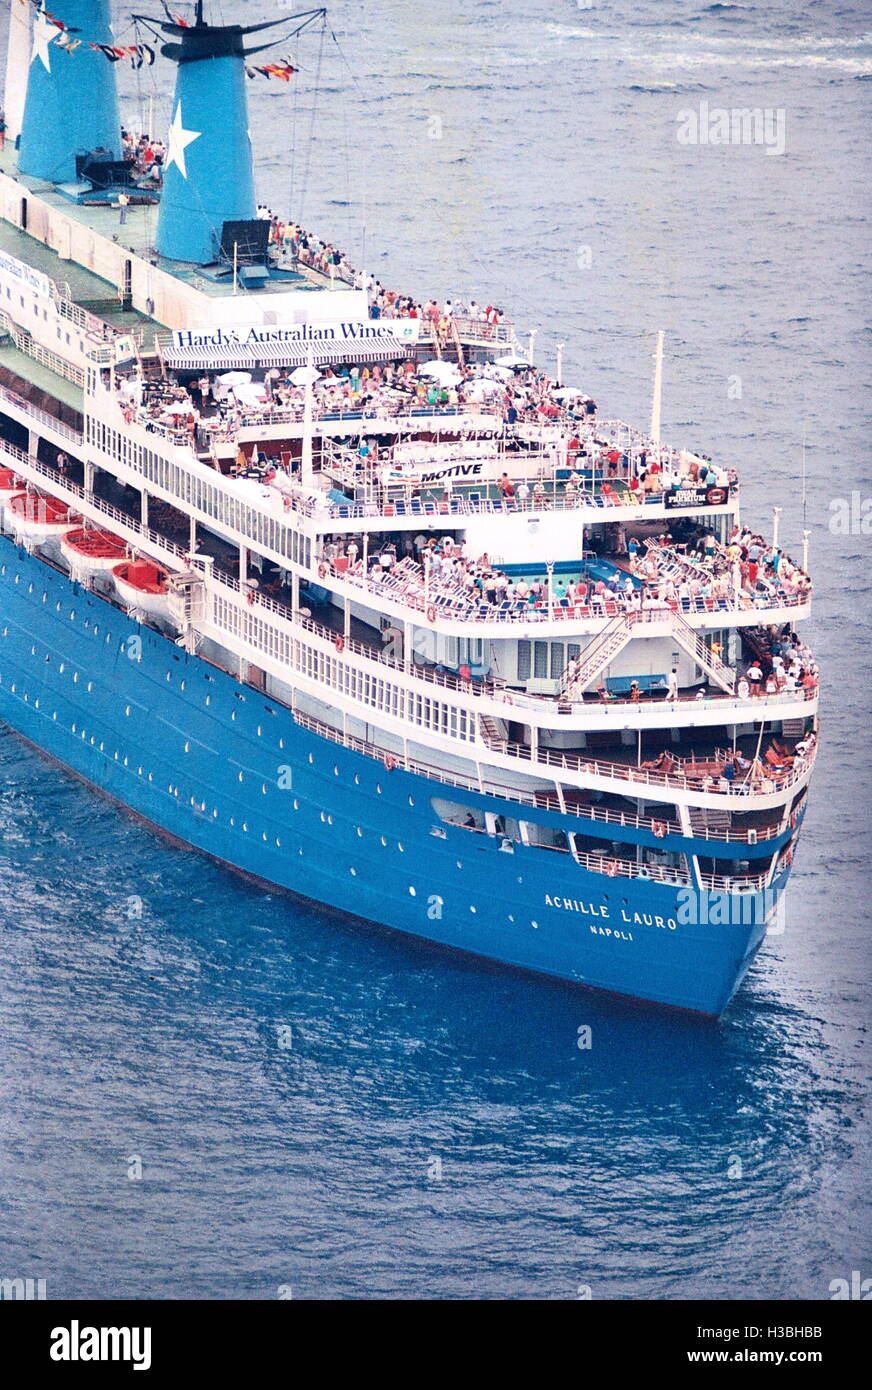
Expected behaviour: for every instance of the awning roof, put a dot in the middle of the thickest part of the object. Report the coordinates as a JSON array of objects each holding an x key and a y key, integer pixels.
[{"x": 384, "y": 349}]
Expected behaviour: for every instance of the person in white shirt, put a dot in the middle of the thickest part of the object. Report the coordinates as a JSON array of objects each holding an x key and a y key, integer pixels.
[{"x": 672, "y": 685}]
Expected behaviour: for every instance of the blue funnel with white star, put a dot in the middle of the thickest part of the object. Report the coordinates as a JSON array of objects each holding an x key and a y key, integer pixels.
[
  {"x": 71, "y": 106},
  {"x": 208, "y": 175}
]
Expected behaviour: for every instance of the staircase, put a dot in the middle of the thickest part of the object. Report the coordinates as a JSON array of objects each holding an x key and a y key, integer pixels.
[
  {"x": 493, "y": 732},
  {"x": 792, "y": 728},
  {"x": 603, "y": 649},
  {"x": 702, "y": 820},
  {"x": 688, "y": 638}
]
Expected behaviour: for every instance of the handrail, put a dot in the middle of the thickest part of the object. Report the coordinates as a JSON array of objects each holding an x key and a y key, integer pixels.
[{"x": 43, "y": 416}]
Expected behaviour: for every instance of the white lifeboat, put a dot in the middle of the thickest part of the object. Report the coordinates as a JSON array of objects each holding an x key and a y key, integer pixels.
[
  {"x": 142, "y": 585},
  {"x": 38, "y": 519},
  {"x": 90, "y": 551}
]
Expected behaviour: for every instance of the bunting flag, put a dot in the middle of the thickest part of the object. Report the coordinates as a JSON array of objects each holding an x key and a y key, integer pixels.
[
  {"x": 138, "y": 53},
  {"x": 284, "y": 70}
]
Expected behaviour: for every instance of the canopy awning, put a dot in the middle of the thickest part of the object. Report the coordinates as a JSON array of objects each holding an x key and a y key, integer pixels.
[{"x": 226, "y": 357}]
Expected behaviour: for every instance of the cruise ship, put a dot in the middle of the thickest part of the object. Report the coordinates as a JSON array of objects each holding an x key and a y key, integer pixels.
[{"x": 347, "y": 591}]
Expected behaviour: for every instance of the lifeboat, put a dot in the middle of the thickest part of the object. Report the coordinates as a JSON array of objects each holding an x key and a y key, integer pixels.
[
  {"x": 142, "y": 585},
  {"x": 9, "y": 483},
  {"x": 38, "y": 519},
  {"x": 90, "y": 551},
  {"x": 10, "y": 486}
]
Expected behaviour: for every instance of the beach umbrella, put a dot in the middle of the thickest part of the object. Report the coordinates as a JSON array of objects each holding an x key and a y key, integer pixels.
[
  {"x": 510, "y": 360},
  {"x": 481, "y": 388},
  {"x": 567, "y": 393},
  {"x": 234, "y": 378},
  {"x": 305, "y": 374}
]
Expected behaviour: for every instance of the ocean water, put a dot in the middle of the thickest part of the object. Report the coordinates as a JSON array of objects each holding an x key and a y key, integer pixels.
[{"x": 429, "y": 1127}]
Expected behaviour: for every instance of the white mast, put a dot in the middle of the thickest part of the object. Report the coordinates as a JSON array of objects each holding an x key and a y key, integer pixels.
[
  {"x": 658, "y": 388},
  {"x": 17, "y": 66},
  {"x": 306, "y": 477}
]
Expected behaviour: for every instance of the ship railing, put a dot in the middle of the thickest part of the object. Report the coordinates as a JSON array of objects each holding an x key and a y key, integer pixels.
[
  {"x": 409, "y": 590},
  {"x": 475, "y": 332},
  {"x": 27, "y": 344},
  {"x": 734, "y": 883},
  {"x": 683, "y": 776},
  {"x": 42, "y": 416},
  {"x": 612, "y": 866}
]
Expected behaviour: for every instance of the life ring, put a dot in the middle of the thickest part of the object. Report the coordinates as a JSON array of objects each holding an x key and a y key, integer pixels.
[
  {"x": 659, "y": 828},
  {"x": 431, "y": 614},
  {"x": 287, "y": 502},
  {"x": 390, "y": 763},
  {"x": 249, "y": 597},
  {"x": 322, "y": 571},
  {"x": 339, "y": 642},
  {"x": 611, "y": 868},
  {"x": 788, "y": 855}
]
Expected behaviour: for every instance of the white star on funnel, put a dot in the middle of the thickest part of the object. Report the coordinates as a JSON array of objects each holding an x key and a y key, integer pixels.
[
  {"x": 179, "y": 139},
  {"x": 43, "y": 34}
]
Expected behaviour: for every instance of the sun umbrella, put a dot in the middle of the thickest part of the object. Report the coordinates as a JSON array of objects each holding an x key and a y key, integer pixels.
[
  {"x": 234, "y": 378},
  {"x": 305, "y": 374},
  {"x": 567, "y": 393},
  {"x": 481, "y": 388},
  {"x": 178, "y": 408},
  {"x": 511, "y": 361}
]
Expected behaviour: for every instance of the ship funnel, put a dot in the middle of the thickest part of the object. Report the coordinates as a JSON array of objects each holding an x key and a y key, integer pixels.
[
  {"x": 71, "y": 106},
  {"x": 208, "y": 175}
]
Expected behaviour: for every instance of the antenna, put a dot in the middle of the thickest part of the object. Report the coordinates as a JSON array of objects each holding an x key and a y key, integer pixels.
[{"x": 657, "y": 399}]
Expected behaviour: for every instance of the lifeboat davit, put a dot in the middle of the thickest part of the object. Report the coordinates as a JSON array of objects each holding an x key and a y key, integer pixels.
[
  {"x": 90, "y": 551},
  {"x": 141, "y": 584},
  {"x": 38, "y": 519}
]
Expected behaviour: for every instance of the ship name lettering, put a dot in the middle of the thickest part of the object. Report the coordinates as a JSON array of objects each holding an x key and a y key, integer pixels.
[
  {"x": 611, "y": 931},
  {"x": 573, "y": 905},
  {"x": 647, "y": 919}
]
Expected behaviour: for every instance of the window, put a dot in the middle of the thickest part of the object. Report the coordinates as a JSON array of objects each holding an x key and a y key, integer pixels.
[
  {"x": 523, "y": 661},
  {"x": 556, "y": 660},
  {"x": 540, "y": 660}
]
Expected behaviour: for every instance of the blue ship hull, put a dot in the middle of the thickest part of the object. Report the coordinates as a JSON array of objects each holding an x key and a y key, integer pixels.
[{"x": 226, "y": 769}]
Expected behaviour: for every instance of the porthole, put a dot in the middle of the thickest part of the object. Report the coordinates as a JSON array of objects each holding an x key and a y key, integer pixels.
[
  {"x": 359, "y": 833},
  {"x": 411, "y": 801},
  {"x": 534, "y": 924},
  {"x": 353, "y": 872},
  {"x": 187, "y": 747},
  {"x": 296, "y": 804},
  {"x": 413, "y": 891},
  {"x": 239, "y": 777},
  {"x": 356, "y": 779},
  {"x": 473, "y": 909},
  {"x": 384, "y": 841},
  {"x": 335, "y": 770},
  {"x": 400, "y": 848},
  {"x": 511, "y": 917},
  {"x": 378, "y": 788},
  {"x": 311, "y": 757},
  {"x": 208, "y": 699},
  {"x": 324, "y": 816}
]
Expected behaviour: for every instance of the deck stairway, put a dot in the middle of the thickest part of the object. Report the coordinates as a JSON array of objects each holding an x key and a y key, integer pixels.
[
  {"x": 688, "y": 638},
  {"x": 604, "y": 648},
  {"x": 703, "y": 820},
  {"x": 493, "y": 732}
]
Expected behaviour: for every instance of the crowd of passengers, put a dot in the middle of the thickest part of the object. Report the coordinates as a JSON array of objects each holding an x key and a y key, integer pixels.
[{"x": 655, "y": 574}]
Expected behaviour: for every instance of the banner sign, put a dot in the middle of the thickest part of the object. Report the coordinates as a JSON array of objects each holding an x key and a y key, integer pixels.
[
  {"x": 299, "y": 334},
  {"x": 471, "y": 471},
  {"x": 25, "y": 274},
  {"x": 697, "y": 497}
]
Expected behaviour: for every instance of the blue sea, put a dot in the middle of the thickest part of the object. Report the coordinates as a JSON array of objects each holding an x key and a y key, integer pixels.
[{"x": 207, "y": 1091}]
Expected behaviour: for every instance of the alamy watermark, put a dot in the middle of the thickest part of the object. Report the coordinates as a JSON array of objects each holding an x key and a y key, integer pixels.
[
  {"x": 736, "y": 125},
  {"x": 766, "y": 907}
]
